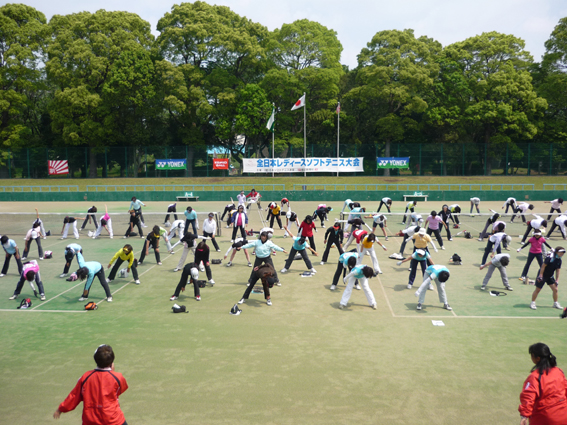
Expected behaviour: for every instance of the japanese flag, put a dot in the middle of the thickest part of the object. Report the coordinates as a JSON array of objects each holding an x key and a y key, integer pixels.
[{"x": 299, "y": 104}]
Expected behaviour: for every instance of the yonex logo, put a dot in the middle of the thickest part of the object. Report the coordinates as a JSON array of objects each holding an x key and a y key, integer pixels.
[{"x": 384, "y": 162}]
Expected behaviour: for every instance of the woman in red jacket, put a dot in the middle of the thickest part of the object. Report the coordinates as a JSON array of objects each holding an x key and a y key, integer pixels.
[
  {"x": 306, "y": 230},
  {"x": 544, "y": 396}
]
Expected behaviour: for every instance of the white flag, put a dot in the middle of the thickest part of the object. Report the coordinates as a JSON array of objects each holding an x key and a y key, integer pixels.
[
  {"x": 270, "y": 125},
  {"x": 299, "y": 104}
]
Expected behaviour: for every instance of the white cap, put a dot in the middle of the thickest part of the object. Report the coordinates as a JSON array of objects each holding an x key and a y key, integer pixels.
[
  {"x": 422, "y": 231},
  {"x": 195, "y": 273},
  {"x": 420, "y": 252}
]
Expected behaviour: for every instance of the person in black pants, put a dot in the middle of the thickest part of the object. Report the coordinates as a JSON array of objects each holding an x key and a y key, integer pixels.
[
  {"x": 239, "y": 221},
  {"x": 70, "y": 252},
  {"x": 134, "y": 221},
  {"x": 445, "y": 215},
  {"x": 227, "y": 210},
  {"x": 10, "y": 248},
  {"x": 190, "y": 275},
  {"x": 385, "y": 201},
  {"x": 153, "y": 241},
  {"x": 265, "y": 273},
  {"x": 33, "y": 234},
  {"x": 322, "y": 212},
  {"x": 90, "y": 215},
  {"x": 124, "y": 254},
  {"x": 202, "y": 255},
  {"x": 171, "y": 209},
  {"x": 333, "y": 235}
]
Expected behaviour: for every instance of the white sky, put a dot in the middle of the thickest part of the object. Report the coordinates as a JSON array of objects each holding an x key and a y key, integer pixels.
[{"x": 356, "y": 21}]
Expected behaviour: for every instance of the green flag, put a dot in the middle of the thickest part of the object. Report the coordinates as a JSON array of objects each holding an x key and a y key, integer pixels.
[{"x": 271, "y": 121}]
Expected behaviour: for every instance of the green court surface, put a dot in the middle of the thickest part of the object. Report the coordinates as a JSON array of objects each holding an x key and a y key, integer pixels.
[{"x": 299, "y": 361}]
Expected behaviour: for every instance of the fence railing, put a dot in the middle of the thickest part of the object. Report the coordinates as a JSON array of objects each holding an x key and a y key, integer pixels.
[
  {"x": 558, "y": 186},
  {"x": 17, "y": 189},
  {"x": 415, "y": 187},
  {"x": 181, "y": 188}
]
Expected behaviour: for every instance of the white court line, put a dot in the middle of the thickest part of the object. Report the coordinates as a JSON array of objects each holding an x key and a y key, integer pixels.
[
  {"x": 56, "y": 296},
  {"x": 477, "y": 317},
  {"x": 47, "y": 311}
]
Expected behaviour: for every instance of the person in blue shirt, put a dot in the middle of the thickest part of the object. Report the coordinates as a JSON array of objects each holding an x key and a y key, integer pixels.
[
  {"x": 552, "y": 264},
  {"x": 439, "y": 275},
  {"x": 421, "y": 257},
  {"x": 299, "y": 246},
  {"x": 263, "y": 247},
  {"x": 362, "y": 273},
  {"x": 10, "y": 248},
  {"x": 88, "y": 270},
  {"x": 346, "y": 260},
  {"x": 70, "y": 252},
  {"x": 191, "y": 218},
  {"x": 136, "y": 205}
]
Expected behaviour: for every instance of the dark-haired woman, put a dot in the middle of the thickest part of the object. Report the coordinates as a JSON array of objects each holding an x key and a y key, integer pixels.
[
  {"x": 543, "y": 400},
  {"x": 202, "y": 256},
  {"x": 88, "y": 270},
  {"x": 552, "y": 264},
  {"x": 151, "y": 240},
  {"x": 362, "y": 273},
  {"x": 306, "y": 230},
  {"x": 67, "y": 221},
  {"x": 30, "y": 272},
  {"x": 90, "y": 216},
  {"x": 535, "y": 242},
  {"x": 438, "y": 274},
  {"x": 124, "y": 254},
  {"x": 555, "y": 206}
]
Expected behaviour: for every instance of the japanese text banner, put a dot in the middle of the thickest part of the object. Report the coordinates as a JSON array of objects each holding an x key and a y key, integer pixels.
[{"x": 312, "y": 165}]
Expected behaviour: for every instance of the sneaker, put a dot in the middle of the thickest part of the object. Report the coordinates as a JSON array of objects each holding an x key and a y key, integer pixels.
[
  {"x": 374, "y": 306},
  {"x": 212, "y": 282},
  {"x": 284, "y": 270},
  {"x": 557, "y": 305},
  {"x": 63, "y": 275},
  {"x": 137, "y": 281},
  {"x": 242, "y": 301},
  {"x": 218, "y": 250},
  {"x": 176, "y": 269},
  {"x": 230, "y": 264},
  {"x": 386, "y": 238},
  {"x": 509, "y": 288},
  {"x": 140, "y": 263},
  {"x": 172, "y": 252},
  {"x": 62, "y": 238},
  {"x": 418, "y": 306},
  {"x": 108, "y": 280},
  {"x": 443, "y": 248},
  {"x": 24, "y": 258},
  {"x": 159, "y": 264},
  {"x": 42, "y": 297},
  {"x": 269, "y": 302},
  {"x": 430, "y": 287},
  {"x": 379, "y": 272},
  {"x": 41, "y": 258},
  {"x": 322, "y": 263},
  {"x": 409, "y": 286},
  {"x": 13, "y": 297},
  {"x": 249, "y": 264},
  {"x": 479, "y": 239},
  {"x": 2, "y": 275},
  {"x": 144, "y": 225},
  {"x": 417, "y": 293},
  {"x": 450, "y": 239},
  {"x": 533, "y": 306},
  {"x": 483, "y": 288},
  {"x": 341, "y": 306},
  {"x": 173, "y": 298},
  {"x": 357, "y": 286},
  {"x": 198, "y": 298},
  {"x": 333, "y": 287},
  {"x": 109, "y": 299},
  {"x": 278, "y": 283},
  {"x": 313, "y": 271},
  {"x": 522, "y": 278},
  {"x": 83, "y": 298},
  {"x": 447, "y": 307}
]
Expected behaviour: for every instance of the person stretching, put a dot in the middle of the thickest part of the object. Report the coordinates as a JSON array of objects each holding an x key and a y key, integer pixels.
[
  {"x": 124, "y": 254},
  {"x": 432, "y": 223},
  {"x": 266, "y": 274},
  {"x": 551, "y": 264},
  {"x": 152, "y": 240},
  {"x": 30, "y": 272},
  {"x": 555, "y": 206},
  {"x": 499, "y": 262},
  {"x": 333, "y": 236},
  {"x": 362, "y": 273},
  {"x": 190, "y": 275},
  {"x": 88, "y": 270},
  {"x": 535, "y": 242}
]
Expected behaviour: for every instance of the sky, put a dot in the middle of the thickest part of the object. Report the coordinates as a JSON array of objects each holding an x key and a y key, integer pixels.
[{"x": 356, "y": 21}]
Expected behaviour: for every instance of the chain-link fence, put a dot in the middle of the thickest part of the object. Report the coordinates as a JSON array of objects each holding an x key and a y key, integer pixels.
[{"x": 455, "y": 159}]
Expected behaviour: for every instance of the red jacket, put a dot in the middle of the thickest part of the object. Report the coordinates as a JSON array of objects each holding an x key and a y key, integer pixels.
[
  {"x": 98, "y": 390},
  {"x": 306, "y": 229},
  {"x": 545, "y": 401}
]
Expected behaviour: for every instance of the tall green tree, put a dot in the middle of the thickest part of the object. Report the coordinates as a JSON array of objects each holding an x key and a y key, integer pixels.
[
  {"x": 100, "y": 66},
  {"x": 395, "y": 72},
  {"x": 22, "y": 42}
]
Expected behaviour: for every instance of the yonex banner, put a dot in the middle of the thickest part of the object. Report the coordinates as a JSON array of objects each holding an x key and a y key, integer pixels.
[
  {"x": 171, "y": 164},
  {"x": 312, "y": 165},
  {"x": 393, "y": 162}
]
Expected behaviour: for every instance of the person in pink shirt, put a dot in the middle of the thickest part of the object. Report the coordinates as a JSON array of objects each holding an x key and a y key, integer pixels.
[
  {"x": 535, "y": 242},
  {"x": 240, "y": 220},
  {"x": 432, "y": 224},
  {"x": 105, "y": 222},
  {"x": 30, "y": 272}
]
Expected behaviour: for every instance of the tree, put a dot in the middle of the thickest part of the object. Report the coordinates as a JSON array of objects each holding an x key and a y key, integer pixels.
[
  {"x": 395, "y": 71},
  {"x": 93, "y": 60},
  {"x": 22, "y": 38},
  {"x": 503, "y": 105}
]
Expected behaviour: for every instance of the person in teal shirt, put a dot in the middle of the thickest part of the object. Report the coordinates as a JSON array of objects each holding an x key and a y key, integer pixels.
[
  {"x": 136, "y": 205},
  {"x": 191, "y": 217},
  {"x": 362, "y": 273},
  {"x": 88, "y": 270},
  {"x": 346, "y": 260},
  {"x": 299, "y": 246},
  {"x": 440, "y": 275}
]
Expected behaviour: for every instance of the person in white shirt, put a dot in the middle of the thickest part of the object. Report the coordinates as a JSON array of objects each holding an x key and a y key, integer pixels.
[
  {"x": 499, "y": 261},
  {"x": 475, "y": 202},
  {"x": 387, "y": 202},
  {"x": 177, "y": 229},
  {"x": 380, "y": 220},
  {"x": 555, "y": 206},
  {"x": 510, "y": 202},
  {"x": 407, "y": 234},
  {"x": 210, "y": 229},
  {"x": 558, "y": 222},
  {"x": 241, "y": 197},
  {"x": 538, "y": 224},
  {"x": 493, "y": 244},
  {"x": 522, "y": 208}
]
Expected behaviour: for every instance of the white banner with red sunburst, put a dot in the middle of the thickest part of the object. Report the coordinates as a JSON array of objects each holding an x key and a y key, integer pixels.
[{"x": 58, "y": 167}]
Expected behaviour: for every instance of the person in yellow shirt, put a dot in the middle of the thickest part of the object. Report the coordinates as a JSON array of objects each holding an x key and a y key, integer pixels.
[
  {"x": 274, "y": 213},
  {"x": 366, "y": 245},
  {"x": 124, "y": 254},
  {"x": 421, "y": 239}
]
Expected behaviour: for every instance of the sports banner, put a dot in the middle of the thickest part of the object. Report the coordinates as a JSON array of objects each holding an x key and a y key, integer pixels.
[
  {"x": 220, "y": 164},
  {"x": 312, "y": 165},
  {"x": 171, "y": 164},
  {"x": 393, "y": 162},
  {"x": 58, "y": 167}
]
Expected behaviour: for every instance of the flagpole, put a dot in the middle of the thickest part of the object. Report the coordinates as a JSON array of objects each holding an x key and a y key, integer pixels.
[
  {"x": 338, "y": 131},
  {"x": 304, "y": 135},
  {"x": 273, "y": 131}
]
